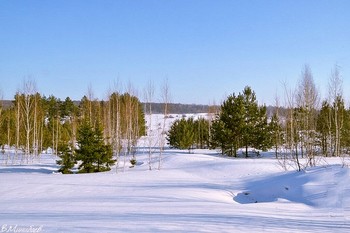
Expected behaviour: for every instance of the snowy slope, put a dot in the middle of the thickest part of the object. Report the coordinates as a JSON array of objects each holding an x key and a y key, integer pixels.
[{"x": 200, "y": 192}]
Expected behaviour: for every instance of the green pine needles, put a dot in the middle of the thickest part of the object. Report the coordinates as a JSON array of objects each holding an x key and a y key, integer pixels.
[
  {"x": 241, "y": 123},
  {"x": 67, "y": 161},
  {"x": 92, "y": 153}
]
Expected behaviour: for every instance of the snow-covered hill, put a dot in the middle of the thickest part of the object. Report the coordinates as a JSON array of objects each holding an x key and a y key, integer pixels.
[{"x": 200, "y": 192}]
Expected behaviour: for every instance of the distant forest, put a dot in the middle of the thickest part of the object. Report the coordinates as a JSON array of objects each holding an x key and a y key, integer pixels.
[{"x": 174, "y": 108}]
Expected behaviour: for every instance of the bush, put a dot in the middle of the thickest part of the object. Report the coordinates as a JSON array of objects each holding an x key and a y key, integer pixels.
[{"x": 133, "y": 161}]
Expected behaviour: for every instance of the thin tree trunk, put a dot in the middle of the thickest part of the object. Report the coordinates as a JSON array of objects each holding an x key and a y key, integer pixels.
[{"x": 17, "y": 125}]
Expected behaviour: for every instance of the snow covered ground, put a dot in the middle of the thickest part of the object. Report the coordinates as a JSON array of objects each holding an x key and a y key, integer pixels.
[{"x": 200, "y": 192}]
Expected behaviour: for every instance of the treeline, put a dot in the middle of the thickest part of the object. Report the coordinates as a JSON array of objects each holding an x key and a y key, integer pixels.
[
  {"x": 177, "y": 108},
  {"x": 301, "y": 130},
  {"x": 158, "y": 108},
  {"x": 311, "y": 127},
  {"x": 34, "y": 123}
]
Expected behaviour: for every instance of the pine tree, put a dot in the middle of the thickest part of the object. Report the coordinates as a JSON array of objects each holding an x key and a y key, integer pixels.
[
  {"x": 181, "y": 134},
  {"x": 261, "y": 131},
  {"x": 252, "y": 121},
  {"x": 104, "y": 153},
  {"x": 218, "y": 135},
  {"x": 67, "y": 161},
  {"x": 201, "y": 133},
  {"x": 323, "y": 126},
  {"x": 94, "y": 155},
  {"x": 187, "y": 135},
  {"x": 345, "y": 132},
  {"x": 232, "y": 115},
  {"x": 241, "y": 122}
]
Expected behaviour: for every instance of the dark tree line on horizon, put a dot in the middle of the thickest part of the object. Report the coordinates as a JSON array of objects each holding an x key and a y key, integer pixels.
[{"x": 157, "y": 108}]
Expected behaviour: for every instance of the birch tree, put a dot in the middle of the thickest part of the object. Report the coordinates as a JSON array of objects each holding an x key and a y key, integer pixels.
[
  {"x": 291, "y": 130},
  {"x": 335, "y": 92},
  {"x": 115, "y": 106},
  {"x": 54, "y": 121},
  {"x": 27, "y": 105},
  {"x": 165, "y": 93},
  {"x": 149, "y": 94},
  {"x": 18, "y": 99},
  {"x": 275, "y": 123},
  {"x": 307, "y": 102}
]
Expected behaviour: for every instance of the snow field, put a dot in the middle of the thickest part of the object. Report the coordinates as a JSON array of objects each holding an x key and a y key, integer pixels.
[{"x": 199, "y": 192}]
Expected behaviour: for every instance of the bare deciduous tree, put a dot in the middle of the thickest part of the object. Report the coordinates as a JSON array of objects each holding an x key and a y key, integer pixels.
[
  {"x": 149, "y": 94},
  {"x": 291, "y": 130},
  {"x": 307, "y": 102},
  {"x": 335, "y": 88},
  {"x": 165, "y": 92},
  {"x": 27, "y": 105},
  {"x": 90, "y": 96},
  {"x": 116, "y": 122}
]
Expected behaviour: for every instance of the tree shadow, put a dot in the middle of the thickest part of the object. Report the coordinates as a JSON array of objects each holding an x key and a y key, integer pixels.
[{"x": 271, "y": 189}]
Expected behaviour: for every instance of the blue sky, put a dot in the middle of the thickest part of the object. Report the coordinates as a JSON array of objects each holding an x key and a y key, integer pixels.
[{"x": 206, "y": 49}]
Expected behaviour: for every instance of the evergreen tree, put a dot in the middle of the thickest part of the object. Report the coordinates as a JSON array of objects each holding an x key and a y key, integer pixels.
[
  {"x": 232, "y": 115},
  {"x": 241, "y": 122},
  {"x": 323, "y": 126},
  {"x": 94, "y": 155},
  {"x": 345, "y": 132},
  {"x": 67, "y": 108},
  {"x": 67, "y": 161},
  {"x": 262, "y": 131},
  {"x": 253, "y": 133},
  {"x": 201, "y": 133},
  {"x": 218, "y": 135},
  {"x": 181, "y": 134},
  {"x": 104, "y": 152},
  {"x": 187, "y": 131}
]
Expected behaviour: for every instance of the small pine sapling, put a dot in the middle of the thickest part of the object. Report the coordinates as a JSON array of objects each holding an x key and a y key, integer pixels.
[{"x": 67, "y": 161}]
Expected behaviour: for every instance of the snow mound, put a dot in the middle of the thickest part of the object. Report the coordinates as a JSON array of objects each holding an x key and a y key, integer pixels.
[{"x": 321, "y": 187}]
